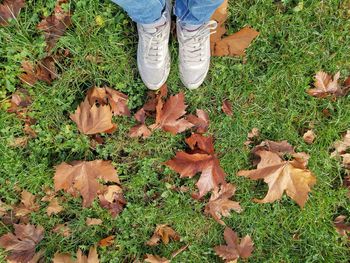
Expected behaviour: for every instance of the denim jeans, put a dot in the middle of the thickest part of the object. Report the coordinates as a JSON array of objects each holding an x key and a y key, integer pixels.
[{"x": 191, "y": 12}]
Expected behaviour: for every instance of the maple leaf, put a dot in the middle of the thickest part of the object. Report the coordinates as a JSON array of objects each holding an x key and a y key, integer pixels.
[
  {"x": 44, "y": 70},
  {"x": 81, "y": 258},
  {"x": 22, "y": 243},
  {"x": 62, "y": 229},
  {"x": 28, "y": 204},
  {"x": 82, "y": 176},
  {"x": 200, "y": 122},
  {"x": 9, "y": 9},
  {"x": 220, "y": 204},
  {"x": 140, "y": 130},
  {"x": 234, "y": 249},
  {"x": 106, "y": 242},
  {"x": 201, "y": 159},
  {"x": 227, "y": 107},
  {"x": 93, "y": 119},
  {"x": 290, "y": 176},
  {"x": 156, "y": 259},
  {"x": 169, "y": 115},
  {"x": 326, "y": 85},
  {"x": 55, "y": 25},
  {"x": 164, "y": 233},
  {"x": 108, "y": 96},
  {"x": 220, "y": 16},
  {"x": 309, "y": 136},
  {"x": 93, "y": 221},
  {"x": 341, "y": 226},
  {"x": 340, "y": 147},
  {"x": 54, "y": 207}
]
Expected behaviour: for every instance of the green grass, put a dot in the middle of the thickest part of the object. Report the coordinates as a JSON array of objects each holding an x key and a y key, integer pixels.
[{"x": 267, "y": 91}]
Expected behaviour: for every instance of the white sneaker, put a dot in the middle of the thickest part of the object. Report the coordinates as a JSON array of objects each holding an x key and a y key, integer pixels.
[
  {"x": 153, "y": 58},
  {"x": 194, "y": 52}
]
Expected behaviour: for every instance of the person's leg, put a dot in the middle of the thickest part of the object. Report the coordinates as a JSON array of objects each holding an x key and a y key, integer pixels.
[
  {"x": 196, "y": 12},
  {"x": 193, "y": 32},
  {"x": 153, "y": 26},
  {"x": 142, "y": 11}
]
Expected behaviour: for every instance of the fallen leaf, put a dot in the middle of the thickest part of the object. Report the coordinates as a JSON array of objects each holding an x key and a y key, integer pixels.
[
  {"x": 180, "y": 250},
  {"x": 55, "y": 25},
  {"x": 164, "y": 233},
  {"x": 340, "y": 147},
  {"x": 93, "y": 221},
  {"x": 4, "y": 208},
  {"x": 54, "y": 207},
  {"x": 341, "y": 226},
  {"x": 20, "y": 100},
  {"x": 220, "y": 16},
  {"x": 62, "y": 229},
  {"x": 233, "y": 248},
  {"x": 169, "y": 115},
  {"x": 156, "y": 259},
  {"x": 93, "y": 119},
  {"x": 27, "y": 205},
  {"x": 106, "y": 242},
  {"x": 253, "y": 134},
  {"x": 83, "y": 176},
  {"x": 9, "y": 9},
  {"x": 19, "y": 142},
  {"x": 326, "y": 85},
  {"x": 140, "y": 130},
  {"x": 220, "y": 204},
  {"x": 81, "y": 258},
  {"x": 291, "y": 176},
  {"x": 200, "y": 122},
  {"x": 235, "y": 44},
  {"x": 309, "y": 136},
  {"x": 227, "y": 107},
  {"x": 22, "y": 243},
  {"x": 116, "y": 206},
  {"x": 202, "y": 159}
]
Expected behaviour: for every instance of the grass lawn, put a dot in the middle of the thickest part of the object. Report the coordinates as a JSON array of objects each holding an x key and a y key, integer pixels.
[{"x": 267, "y": 89}]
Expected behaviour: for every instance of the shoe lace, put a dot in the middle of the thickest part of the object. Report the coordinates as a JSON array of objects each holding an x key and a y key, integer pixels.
[
  {"x": 154, "y": 47},
  {"x": 193, "y": 46}
]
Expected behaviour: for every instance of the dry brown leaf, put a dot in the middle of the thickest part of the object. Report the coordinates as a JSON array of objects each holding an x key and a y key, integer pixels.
[
  {"x": 20, "y": 100},
  {"x": 309, "y": 137},
  {"x": 326, "y": 85},
  {"x": 253, "y": 134},
  {"x": 341, "y": 147},
  {"x": 156, "y": 259},
  {"x": 55, "y": 25},
  {"x": 227, "y": 107},
  {"x": 22, "y": 243},
  {"x": 290, "y": 176},
  {"x": 83, "y": 176},
  {"x": 115, "y": 204},
  {"x": 220, "y": 204},
  {"x": 62, "y": 229},
  {"x": 233, "y": 248},
  {"x": 235, "y": 44},
  {"x": 27, "y": 205},
  {"x": 81, "y": 258},
  {"x": 93, "y": 221},
  {"x": 202, "y": 159},
  {"x": 93, "y": 119},
  {"x": 140, "y": 130},
  {"x": 170, "y": 115},
  {"x": 63, "y": 258},
  {"x": 200, "y": 122},
  {"x": 180, "y": 250},
  {"x": 106, "y": 242},
  {"x": 341, "y": 226},
  {"x": 163, "y": 233},
  {"x": 54, "y": 207},
  {"x": 9, "y": 9}
]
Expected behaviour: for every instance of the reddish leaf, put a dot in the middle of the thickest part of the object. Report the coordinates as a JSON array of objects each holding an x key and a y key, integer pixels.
[
  {"x": 9, "y": 9},
  {"x": 169, "y": 115},
  {"x": 83, "y": 177},
  {"x": 93, "y": 119},
  {"x": 28, "y": 204},
  {"x": 55, "y": 25},
  {"x": 220, "y": 205},
  {"x": 106, "y": 242},
  {"x": 116, "y": 206},
  {"x": 200, "y": 122},
  {"x": 201, "y": 159},
  {"x": 22, "y": 243},
  {"x": 227, "y": 107},
  {"x": 54, "y": 207},
  {"x": 164, "y": 233},
  {"x": 341, "y": 226},
  {"x": 233, "y": 248},
  {"x": 140, "y": 130}
]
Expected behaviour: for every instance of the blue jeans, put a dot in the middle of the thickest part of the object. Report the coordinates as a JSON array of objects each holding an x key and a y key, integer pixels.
[{"x": 191, "y": 12}]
